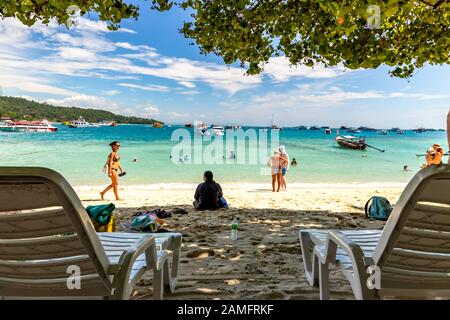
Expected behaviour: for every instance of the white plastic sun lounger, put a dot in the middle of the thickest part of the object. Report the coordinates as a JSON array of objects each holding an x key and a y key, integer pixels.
[
  {"x": 45, "y": 232},
  {"x": 412, "y": 252}
]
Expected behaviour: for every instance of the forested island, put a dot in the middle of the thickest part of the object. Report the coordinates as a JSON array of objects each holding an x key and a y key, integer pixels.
[{"x": 24, "y": 109}]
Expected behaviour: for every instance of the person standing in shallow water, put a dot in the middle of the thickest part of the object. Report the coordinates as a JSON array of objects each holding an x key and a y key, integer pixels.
[
  {"x": 274, "y": 164},
  {"x": 112, "y": 166},
  {"x": 284, "y": 165}
]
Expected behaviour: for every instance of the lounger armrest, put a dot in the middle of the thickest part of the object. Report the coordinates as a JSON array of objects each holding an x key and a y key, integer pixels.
[
  {"x": 145, "y": 244},
  {"x": 337, "y": 239}
]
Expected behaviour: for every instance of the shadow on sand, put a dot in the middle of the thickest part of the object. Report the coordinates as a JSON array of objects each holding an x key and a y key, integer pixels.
[{"x": 264, "y": 263}]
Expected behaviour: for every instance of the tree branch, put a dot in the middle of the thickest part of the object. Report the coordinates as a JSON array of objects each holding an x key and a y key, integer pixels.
[{"x": 438, "y": 3}]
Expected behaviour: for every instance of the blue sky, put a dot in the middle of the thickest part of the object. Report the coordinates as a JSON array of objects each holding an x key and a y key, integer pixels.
[{"x": 148, "y": 69}]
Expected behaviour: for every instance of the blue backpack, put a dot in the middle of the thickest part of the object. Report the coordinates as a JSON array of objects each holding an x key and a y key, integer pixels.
[{"x": 379, "y": 209}]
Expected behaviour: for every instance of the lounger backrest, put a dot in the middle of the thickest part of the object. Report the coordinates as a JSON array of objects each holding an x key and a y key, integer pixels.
[
  {"x": 45, "y": 236},
  {"x": 414, "y": 248}
]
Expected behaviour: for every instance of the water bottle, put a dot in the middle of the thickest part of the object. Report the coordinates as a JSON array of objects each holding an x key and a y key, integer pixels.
[{"x": 234, "y": 229}]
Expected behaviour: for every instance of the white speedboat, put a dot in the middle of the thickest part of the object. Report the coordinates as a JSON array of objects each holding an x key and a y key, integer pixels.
[
  {"x": 81, "y": 123},
  {"x": 233, "y": 127},
  {"x": 218, "y": 130},
  {"x": 201, "y": 129},
  {"x": 27, "y": 126}
]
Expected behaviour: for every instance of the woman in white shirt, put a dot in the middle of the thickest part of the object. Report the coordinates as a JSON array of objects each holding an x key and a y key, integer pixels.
[{"x": 274, "y": 164}]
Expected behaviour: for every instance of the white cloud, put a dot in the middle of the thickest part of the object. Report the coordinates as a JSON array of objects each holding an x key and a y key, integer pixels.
[
  {"x": 150, "y": 111},
  {"x": 420, "y": 96},
  {"x": 86, "y": 52},
  {"x": 86, "y": 101},
  {"x": 73, "y": 53},
  {"x": 280, "y": 70},
  {"x": 179, "y": 115},
  {"x": 187, "y": 84},
  {"x": 189, "y": 92},
  {"x": 148, "y": 87},
  {"x": 85, "y": 24},
  {"x": 110, "y": 92},
  {"x": 25, "y": 83}
]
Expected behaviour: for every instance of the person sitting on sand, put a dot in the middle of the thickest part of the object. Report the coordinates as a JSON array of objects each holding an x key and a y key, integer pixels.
[
  {"x": 112, "y": 166},
  {"x": 274, "y": 164},
  {"x": 209, "y": 195},
  {"x": 434, "y": 155},
  {"x": 293, "y": 162}
]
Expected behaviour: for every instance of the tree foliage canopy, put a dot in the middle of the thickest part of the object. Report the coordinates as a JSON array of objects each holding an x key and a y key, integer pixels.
[
  {"x": 403, "y": 34},
  {"x": 31, "y": 11}
]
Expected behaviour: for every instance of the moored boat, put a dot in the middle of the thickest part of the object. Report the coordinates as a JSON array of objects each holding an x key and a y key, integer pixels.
[
  {"x": 351, "y": 142},
  {"x": 27, "y": 126},
  {"x": 201, "y": 128},
  {"x": 328, "y": 131},
  {"x": 353, "y": 130},
  {"x": 81, "y": 123},
  {"x": 158, "y": 125},
  {"x": 233, "y": 127},
  {"x": 218, "y": 131}
]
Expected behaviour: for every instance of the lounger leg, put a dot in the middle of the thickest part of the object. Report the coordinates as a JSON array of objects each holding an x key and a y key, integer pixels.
[
  {"x": 307, "y": 246},
  {"x": 171, "y": 274},
  {"x": 169, "y": 282},
  {"x": 324, "y": 281},
  {"x": 158, "y": 284}
]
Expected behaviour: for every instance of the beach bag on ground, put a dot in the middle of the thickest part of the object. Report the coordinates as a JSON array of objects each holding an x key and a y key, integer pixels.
[
  {"x": 146, "y": 222},
  {"x": 102, "y": 217},
  {"x": 378, "y": 208},
  {"x": 223, "y": 203}
]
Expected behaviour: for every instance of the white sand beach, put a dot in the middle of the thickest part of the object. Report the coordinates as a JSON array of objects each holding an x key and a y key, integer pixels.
[{"x": 265, "y": 262}]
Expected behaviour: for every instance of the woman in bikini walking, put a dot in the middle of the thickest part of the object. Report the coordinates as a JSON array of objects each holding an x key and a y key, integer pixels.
[{"x": 112, "y": 166}]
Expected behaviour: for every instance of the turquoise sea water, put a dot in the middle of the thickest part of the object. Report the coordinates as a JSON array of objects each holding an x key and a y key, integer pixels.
[{"x": 79, "y": 154}]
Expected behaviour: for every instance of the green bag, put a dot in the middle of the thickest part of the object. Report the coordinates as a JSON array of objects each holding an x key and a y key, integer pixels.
[{"x": 101, "y": 214}]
